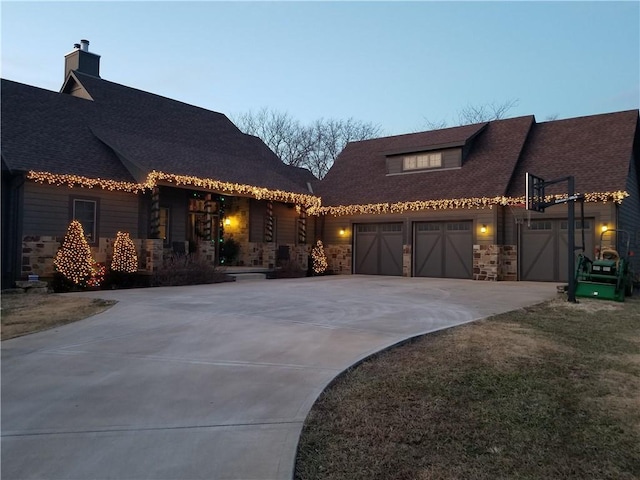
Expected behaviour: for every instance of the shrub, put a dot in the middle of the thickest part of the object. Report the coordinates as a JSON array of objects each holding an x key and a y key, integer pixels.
[
  {"x": 229, "y": 251},
  {"x": 288, "y": 269},
  {"x": 186, "y": 269}
]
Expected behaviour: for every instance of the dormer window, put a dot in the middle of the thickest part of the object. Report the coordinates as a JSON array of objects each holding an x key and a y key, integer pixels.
[{"x": 422, "y": 161}]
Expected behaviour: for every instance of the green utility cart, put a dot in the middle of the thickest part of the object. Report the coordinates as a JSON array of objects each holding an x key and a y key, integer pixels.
[{"x": 609, "y": 276}]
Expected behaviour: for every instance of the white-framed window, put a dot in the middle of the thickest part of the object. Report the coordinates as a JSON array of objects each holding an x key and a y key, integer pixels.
[
  {"x": 420, "y": 161},
  {"x": 86, "y": 212}
]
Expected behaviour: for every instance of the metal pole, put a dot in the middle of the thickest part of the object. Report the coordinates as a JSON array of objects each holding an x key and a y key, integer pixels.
[{"x": 571, "y": 294}]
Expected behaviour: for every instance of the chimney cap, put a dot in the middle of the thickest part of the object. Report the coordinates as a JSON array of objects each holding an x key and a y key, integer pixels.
[
  {"x": 76, "y": 46},
  {"x": 84, "y": 45}
]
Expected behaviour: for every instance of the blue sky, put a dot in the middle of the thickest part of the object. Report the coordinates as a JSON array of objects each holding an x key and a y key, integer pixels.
[{"x": 390, "y": 63}]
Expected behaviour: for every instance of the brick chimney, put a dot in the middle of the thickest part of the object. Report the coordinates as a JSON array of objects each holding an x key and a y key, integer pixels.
[{"x": 82, "y": 60}]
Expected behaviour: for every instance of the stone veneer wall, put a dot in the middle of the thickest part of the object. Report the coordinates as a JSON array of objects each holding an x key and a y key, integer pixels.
[
  {"x": 339, "y": 258},
  {"x": 495, "y": 262},
  {"x": 238, "y": 213},
  {"x": 38, "y": 253},
  {"x": 300, "y": 254},
  {"x": 406, "y": 260},
  {"x": 207, "y": 249},
  {"x": 263, "y": 254},
  {"x": 508, "y": 263}
]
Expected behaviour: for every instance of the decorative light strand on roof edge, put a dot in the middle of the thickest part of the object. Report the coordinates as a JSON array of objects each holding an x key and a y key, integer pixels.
[
  {"x": 313, "y": 204},
  {"x": 454, "y": 203},
  {"x": 154, "y": 177}
]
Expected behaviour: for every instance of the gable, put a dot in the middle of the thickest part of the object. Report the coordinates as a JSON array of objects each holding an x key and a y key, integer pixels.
[
  {"x": 74, "y": 88},
  {"x": 487, "y": 153},
  {"x": 596, "y": 150},
  {"x": 124, "y": 134}
]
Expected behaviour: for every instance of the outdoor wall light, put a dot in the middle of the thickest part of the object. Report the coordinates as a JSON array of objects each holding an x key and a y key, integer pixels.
[
  {"x": 342, "y": 232},
  {"x": 483, "y": 228},
  {"x": 605, "y": 227},
  {"x": 227, "y": 221}
]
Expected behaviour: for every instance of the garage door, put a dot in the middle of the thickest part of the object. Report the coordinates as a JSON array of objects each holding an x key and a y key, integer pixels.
[
  {"x": 443, "y": 249},
  {"x": 378, "y": 249},
  {"x": 545, "y": 249}
]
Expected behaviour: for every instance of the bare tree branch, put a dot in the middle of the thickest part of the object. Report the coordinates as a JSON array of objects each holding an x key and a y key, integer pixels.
[
  {"x": 477, "y": 114},
  {"x": 315, "y": 146}
]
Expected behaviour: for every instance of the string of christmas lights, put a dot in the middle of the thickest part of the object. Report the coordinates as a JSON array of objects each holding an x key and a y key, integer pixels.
[
  {"x": 319, "y": 258},
  {"x": 453, "y": 203},
  {"x": 312, "y": 203},
  {"x": 125, "y": 258},
  {"x": 73, "y": 259},
  {"x": 154, "y": 177}
]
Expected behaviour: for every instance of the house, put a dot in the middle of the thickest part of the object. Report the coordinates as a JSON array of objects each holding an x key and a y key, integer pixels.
[
  {"x": 450, "y": 203},
  {"x": 175, "y": 176},
  {"x": 445, "y": 203}
]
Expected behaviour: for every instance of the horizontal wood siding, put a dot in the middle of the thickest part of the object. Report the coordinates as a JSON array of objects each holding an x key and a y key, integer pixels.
[
  {"x": 177, "y": 202},
  {"x": 629, "y": 214},
  {"x": 332, "y": 225},
  {"x": 144, "y": 214},
  {"x": 47, "y": 210},
  {"x": 452, "y": 158},
  {"x": 600, "y": 212},
  {"x": 257, "y": 214},
  {"x": 394, "y": 165},
  {"x": 286, "y": 223}
]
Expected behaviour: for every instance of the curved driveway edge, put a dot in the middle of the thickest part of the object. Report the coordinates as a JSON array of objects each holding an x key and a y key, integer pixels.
[{"x": 211, "y": 381}]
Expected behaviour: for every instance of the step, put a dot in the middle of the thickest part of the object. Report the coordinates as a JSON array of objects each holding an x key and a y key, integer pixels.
[{"x": 242, "y": 277}]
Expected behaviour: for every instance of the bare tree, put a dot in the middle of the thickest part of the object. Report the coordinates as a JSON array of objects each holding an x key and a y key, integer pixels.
[
  {"x": 284, "y": 135},
  {"x": 315, "y": 146},
  {"x": 477, "y": 114}
]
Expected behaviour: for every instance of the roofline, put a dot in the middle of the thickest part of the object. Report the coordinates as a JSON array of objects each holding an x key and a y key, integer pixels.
[
  {"x": 150, "y": 93},
  {"x": 617, "y": 112},
  {"x": 438, "y": 146}
]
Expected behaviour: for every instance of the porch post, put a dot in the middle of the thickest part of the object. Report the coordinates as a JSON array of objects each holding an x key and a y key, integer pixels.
[
  {"x": 155, "y": 212},
  {"x": 208, "y": 216},
  {"x": 302, "y": 226},
  {"x": 268, "y": 226}
]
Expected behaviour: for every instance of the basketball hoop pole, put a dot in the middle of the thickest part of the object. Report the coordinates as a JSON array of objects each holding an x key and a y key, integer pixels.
[
  {"x": 570, "y": 201},
  {"x": 571, "y": 294}
]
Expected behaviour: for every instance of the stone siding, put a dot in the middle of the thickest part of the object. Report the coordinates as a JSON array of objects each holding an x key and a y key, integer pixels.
[
  {"x": 237, "y": 211},
  {"x": 38, "y": 253},
  {"x": 495, "y": 262},
  {"x": 508, "y": 263},
  {"x": 207, "y": 249},
  {"x": 339, "y": 258},
  {"x": 406, "y": 260}
]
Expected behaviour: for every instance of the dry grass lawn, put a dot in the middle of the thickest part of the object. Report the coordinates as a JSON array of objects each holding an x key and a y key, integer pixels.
[
  {"x": 29, "y": 313},
  {"x": 551, "y": 391}
]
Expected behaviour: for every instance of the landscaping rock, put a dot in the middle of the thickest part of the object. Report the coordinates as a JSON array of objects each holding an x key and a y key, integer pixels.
[{"x": 37, "y": 287}]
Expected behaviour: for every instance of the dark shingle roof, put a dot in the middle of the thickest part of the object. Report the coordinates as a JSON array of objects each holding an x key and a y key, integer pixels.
[
  {"x": 145, "y": 131},
  {"x": 596, "y": 150},
  {"x": 359, "y": 174},
  {"x": 47, "y": 131}
]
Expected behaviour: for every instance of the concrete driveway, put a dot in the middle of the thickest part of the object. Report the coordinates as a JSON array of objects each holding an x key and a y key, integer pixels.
[{"x": 212, "y": 381}]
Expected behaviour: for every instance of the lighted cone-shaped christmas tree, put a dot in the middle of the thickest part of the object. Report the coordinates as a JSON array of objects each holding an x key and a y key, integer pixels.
[
  {"x": 125, "y": 258},
  {"x": 319, "y": 258},
  {"x": 73, "y": 259}
]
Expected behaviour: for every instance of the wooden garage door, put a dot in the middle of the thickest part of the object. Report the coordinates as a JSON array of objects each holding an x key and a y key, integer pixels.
[
  {"x": 378, "y": 249},
  {"x": 443, "y": 249},
  {"x": 545, "y": 249}
]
